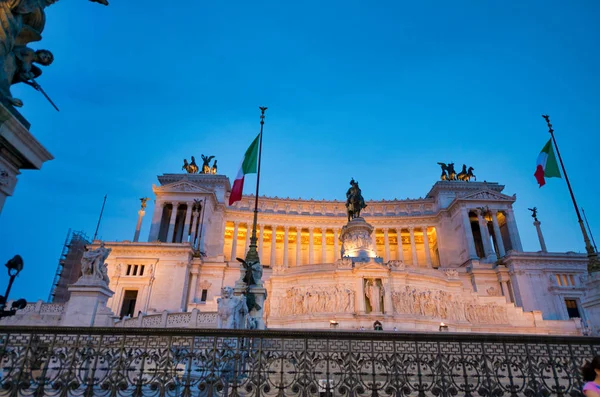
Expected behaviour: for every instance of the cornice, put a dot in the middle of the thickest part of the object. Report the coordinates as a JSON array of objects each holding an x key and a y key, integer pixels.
[{"x": 202, "y": 179}]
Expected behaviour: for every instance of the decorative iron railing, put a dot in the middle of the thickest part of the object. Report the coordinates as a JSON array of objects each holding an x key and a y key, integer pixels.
[{"x": 38, "y": 361}]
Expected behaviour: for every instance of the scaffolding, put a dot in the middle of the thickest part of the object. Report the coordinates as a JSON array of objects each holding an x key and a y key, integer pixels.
[{"x": 69, "y": 266}]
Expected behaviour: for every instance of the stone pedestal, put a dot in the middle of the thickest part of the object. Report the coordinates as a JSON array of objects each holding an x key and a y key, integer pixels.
[
  {"x": 591, "y": 302},
  {"x": 87, "y": 305},
  {"x": 18, "y": 150},
  {"x": 357, "y": 243},
  {"x": 260, "y": 297}
]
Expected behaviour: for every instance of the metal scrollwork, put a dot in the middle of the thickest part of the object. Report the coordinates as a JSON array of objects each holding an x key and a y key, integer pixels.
[{"x": 205, "y": 362}]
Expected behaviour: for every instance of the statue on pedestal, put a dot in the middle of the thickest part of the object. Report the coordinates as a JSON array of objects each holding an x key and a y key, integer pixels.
[
  {"x": 92, "y": 263},
  {"x": 22, "y": 22},
  {"x": 354, "y": 201},
  {"x": 205, "y": 164},
  {"x": 231, "y": 310}
]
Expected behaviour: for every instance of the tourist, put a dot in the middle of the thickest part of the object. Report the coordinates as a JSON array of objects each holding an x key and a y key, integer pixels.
[{"x": 591, "y": 375}]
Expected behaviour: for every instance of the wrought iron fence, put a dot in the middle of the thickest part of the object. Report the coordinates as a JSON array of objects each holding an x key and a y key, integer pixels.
[{"x": 38, "y": 361}]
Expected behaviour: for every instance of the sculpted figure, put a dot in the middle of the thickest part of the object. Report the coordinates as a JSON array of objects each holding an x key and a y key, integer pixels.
[
  {"x": 23, "y": 21},
  {"x": 213, "y": 169},
  {"x": 354, "y": 201},
  {"x": 144, "y": 200},
  {"x": 533, "y": 213},
  {"x": 205, "y": 164},
  {"x": 231, "y": 310},
  {"x": 374, "y": 293},
  {"x": 92, "y": 263}
]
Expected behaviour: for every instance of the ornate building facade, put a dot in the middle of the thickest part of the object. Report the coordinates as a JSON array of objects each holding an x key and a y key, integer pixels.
[{"x": 454, "y": 256}]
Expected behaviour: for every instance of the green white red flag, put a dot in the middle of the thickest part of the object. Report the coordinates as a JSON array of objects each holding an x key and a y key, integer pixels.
[
  {"x": 547, "y": 166},
  {"x": 249, "y": 166}
]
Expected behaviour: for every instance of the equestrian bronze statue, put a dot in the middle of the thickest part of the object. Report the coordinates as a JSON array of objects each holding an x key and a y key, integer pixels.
[{"x": 354, "y": 201}]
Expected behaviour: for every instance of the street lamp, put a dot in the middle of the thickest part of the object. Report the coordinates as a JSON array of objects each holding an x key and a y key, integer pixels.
[{"x": 14, "y": 266}]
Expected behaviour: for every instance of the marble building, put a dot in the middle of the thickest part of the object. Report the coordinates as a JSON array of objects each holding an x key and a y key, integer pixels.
[{"x": 454, "y": 256}]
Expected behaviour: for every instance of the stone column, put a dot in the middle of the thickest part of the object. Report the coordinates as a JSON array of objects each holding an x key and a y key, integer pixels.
[
  {"x": 286, "y": 238},
  {"x": 426, "y": 247},
  {"x": 336, "y": 244},
  {"x": 399, "y": 243},
  {"x": 194, "y": 225},
  {"x": 485, "y": 236},
  {"x": 388, "y": 305},
  {"x": 505, "y": 290},
  {"x": 360, "y": 304},
  {"x": 194, "y": 286},
  {"x": 413, "y": 246},
  {"x": 234, "y": 242},
  {"x": 513, "y": 231},
  {"x": 172, "y": 222},
  {"x": 188, "y": 219},
  {"x": 298, "y": 246},
  {"x": 136, "y": 236},
  {"x": 497, "y": 233},
  {"x": 248, "y": 234},
  {"x": 323, "y": 245},
  {"x": 469, "y": 233},
  {"x": 273, "y": 244},
  {"x": 159, "y": 207},
  {"x": 311, "y": 246},
  {"x": 540, "y": 235},
  {"x": 261, "y": 240},
  {"x": 386, "y": 242}
]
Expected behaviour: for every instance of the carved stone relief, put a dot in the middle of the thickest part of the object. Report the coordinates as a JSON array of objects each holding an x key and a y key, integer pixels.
[
  {"x": 447, "y": 306},
  {"x": 308, "y": 300}
]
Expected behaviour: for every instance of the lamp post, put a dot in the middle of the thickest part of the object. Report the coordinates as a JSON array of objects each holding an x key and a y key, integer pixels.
[{"x": 14, "y": 266}]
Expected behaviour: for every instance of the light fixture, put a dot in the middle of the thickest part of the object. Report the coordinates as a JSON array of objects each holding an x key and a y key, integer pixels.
[
  {"x": 14, "y": 265},
  {"x": 443, "y": 327},
  {"x": 333, "y": 324}
]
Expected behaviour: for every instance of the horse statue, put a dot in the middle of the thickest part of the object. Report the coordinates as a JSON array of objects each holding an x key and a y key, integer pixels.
[
  {"x": 213, "y": 169},
  {"x": 205, "y": 164},
  {"x": 463, "y": 174},
  {"x": 448, "y": 173},
  {"x": 470, "y": 174},
  {"x": 191, "y": 168},
  {"x": 354, "y": 201}
]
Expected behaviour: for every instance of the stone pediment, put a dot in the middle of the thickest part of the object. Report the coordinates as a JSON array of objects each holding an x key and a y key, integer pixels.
[
  {"x": 488, "y": 195},
  {"x": 371, "y": 266},
  {"x": 182, "y": 186}
]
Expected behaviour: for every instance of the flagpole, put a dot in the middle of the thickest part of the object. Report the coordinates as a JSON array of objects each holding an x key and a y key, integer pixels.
[
  {"x": 593, "y": 264},
  {"x": 99, "y": 218},
  {"x": 589, "y": 229},
  {"x": 252, "y": 255}
]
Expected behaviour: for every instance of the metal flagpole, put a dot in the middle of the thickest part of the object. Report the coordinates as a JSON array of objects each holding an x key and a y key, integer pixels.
[
  {"x": 593, "y": 264},
  {"x": 99, "y": 219},
  {"x": 252, "y": 255},
  {"x": 589, "y": 229}
]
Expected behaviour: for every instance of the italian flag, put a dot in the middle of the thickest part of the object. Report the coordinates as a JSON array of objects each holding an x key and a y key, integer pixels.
[
  {"x": 249, "y": 166},
  {"x": 546, "y": 164}
]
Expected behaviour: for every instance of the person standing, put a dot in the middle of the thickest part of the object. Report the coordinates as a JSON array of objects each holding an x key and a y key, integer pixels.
[{"x": 591, "y": 375}]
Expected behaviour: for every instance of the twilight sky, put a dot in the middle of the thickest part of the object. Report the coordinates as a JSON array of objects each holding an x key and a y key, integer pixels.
[{"x": 379, "y": 91}]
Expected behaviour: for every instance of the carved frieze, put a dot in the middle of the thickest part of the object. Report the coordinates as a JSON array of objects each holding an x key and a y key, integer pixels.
[
  {"x": 311, "y": 299},
  {"x": 447, "y": 306}
]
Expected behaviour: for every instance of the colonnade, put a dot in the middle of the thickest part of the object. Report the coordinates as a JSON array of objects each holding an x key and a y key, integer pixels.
[
  {"x": 183, "y": 224},
  {"x": 308, "y": 252},
  {"x": 484, "y": 218}
]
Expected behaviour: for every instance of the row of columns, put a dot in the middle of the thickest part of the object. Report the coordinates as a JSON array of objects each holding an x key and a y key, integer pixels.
[
  {"x": 336, "y": 247},
  {"x": 488, "y": 249},
  {"x": 192, "y": 217}
]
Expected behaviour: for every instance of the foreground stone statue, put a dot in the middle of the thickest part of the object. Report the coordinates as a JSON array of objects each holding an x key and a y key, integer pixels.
[
  {"x": 23, "y": 22},
  {"x": 92, "y": 263},
  {"x": 231, "y": 310}
]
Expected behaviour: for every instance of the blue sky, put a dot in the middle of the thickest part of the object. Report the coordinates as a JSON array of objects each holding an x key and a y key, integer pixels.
[{"x": 379, "y": 91}]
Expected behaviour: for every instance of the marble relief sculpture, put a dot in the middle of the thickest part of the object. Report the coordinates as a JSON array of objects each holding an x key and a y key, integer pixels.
[
  {"x": 92, "y": 263},
  {"x": 23, "y": 22},
  {"x": 308, "y": 300}
]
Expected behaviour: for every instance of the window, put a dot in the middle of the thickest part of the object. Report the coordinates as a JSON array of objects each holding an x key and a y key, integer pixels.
[
  {"x": 142, "y": 270},
  {"x": 204, "y": 295},
  {"x": 565, "y": 280},
  {"x": 128, "y": 270},
  {"x": 572, "y": 308},
  {"x": 129, "y": 300},
  {"x": 135, "y": 270}
]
